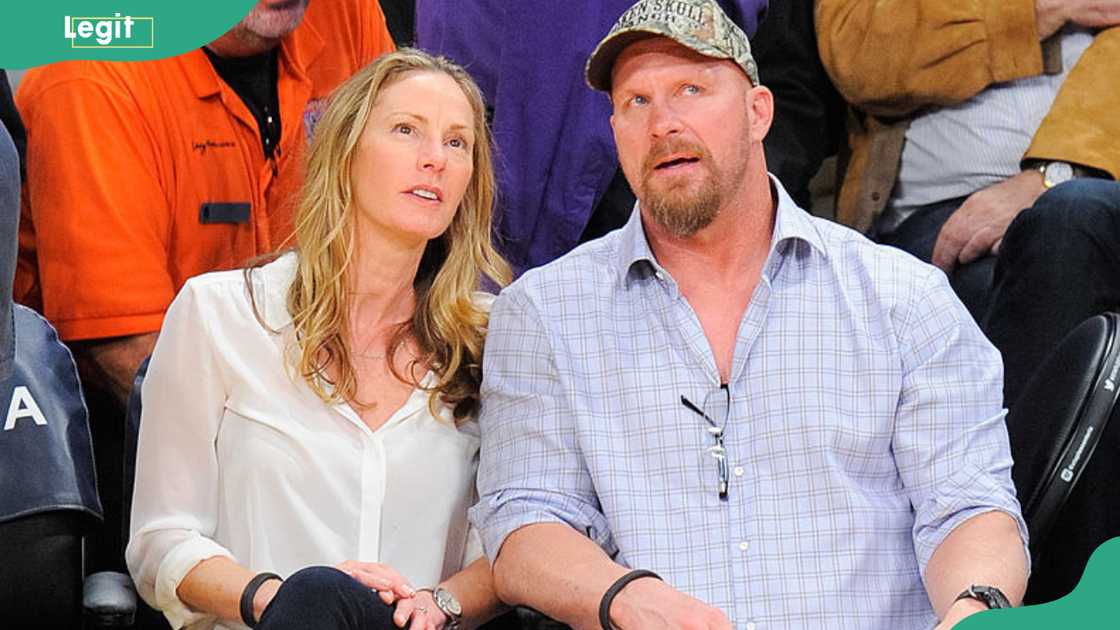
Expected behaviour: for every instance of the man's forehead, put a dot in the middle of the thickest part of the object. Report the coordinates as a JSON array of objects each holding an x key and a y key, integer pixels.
[{"x": 656, "y": 48}]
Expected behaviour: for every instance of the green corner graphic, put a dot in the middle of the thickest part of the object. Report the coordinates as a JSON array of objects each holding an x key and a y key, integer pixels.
[
  {"x": 1090, "y": 605},
  {"x": 47, "y": 31}
]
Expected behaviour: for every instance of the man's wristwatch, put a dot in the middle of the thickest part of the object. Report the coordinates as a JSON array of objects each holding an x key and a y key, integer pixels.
[
  {"x": 448, "y": 605},
  {"x": 990, "y": 596},
  {"x": 1056, "y": 172}
]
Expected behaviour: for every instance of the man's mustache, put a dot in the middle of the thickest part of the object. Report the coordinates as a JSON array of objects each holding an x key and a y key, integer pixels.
[{"x": 670, "y": 146}]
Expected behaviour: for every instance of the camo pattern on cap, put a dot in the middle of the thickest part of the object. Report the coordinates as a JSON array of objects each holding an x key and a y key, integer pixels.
[{"x": 697, "y": 24}]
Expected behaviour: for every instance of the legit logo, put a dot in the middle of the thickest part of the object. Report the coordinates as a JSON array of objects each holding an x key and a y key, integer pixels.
[{"x": 110, "y": 32}]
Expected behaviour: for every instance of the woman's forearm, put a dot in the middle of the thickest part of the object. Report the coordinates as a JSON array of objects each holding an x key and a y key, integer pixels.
[
  {"x": 214, "y": 586},
  {"x": 474, "y": 588}
]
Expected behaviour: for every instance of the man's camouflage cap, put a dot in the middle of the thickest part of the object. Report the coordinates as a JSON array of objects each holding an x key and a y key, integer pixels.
[{"x": 697, "y": 24}]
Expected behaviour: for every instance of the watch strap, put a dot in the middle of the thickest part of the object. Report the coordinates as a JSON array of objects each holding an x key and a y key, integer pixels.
[{"x": 990, "y": 596}]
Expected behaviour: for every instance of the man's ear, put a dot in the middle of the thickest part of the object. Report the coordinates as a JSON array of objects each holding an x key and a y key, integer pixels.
[{"x": 760, "y": 104}]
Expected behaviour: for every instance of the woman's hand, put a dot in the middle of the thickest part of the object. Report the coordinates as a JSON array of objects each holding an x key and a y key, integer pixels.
[
  {"x": 390, "y": 585},
  {"x": 419, "y": 613}
]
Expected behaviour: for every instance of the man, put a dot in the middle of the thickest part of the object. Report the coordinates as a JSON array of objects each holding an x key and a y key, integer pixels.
[
  {"x": 963, "y": 120},
  {"x": 141, "y": 175},
  {"x": 556, "y": 165},
  {"x": 791, "y": 426}
]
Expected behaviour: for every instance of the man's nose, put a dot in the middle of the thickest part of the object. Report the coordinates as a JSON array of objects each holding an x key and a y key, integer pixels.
[{"x": 664, "y": 120}]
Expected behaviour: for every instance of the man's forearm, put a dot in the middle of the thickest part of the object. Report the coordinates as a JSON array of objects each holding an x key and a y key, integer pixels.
[
  {"x": 554, "y": 569},
  {"x": 987, "y": 550},
  {"x": 111, "y": 364}
]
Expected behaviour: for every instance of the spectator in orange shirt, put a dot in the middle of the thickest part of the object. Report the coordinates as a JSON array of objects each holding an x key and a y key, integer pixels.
[{"x": 141, "y": 175}]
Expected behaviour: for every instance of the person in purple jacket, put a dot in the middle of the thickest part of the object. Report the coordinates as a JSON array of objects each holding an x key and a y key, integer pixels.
[{"x": 555, "y": 158}]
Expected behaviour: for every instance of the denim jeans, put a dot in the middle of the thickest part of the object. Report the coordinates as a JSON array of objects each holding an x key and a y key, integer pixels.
[
  {"x": 324, "y": 598},
  {"x": 1059, "y": 265}
]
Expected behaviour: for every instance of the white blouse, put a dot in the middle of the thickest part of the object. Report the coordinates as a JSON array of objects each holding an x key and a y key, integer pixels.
[{"x": 236, "y": 458}]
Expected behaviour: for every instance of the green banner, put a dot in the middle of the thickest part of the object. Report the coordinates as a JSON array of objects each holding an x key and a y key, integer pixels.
[
  {"x": 1088, "y": 606},
  {"x": 44, "y": 31}
]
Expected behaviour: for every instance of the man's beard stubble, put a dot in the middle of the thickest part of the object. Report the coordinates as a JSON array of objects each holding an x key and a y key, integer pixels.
[{"x": 683, "y": 209}]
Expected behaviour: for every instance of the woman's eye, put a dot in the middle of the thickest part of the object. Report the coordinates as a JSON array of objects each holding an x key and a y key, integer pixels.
[
  {"x": 403, "y": 129},
  {"x": 457, "y": 143}
]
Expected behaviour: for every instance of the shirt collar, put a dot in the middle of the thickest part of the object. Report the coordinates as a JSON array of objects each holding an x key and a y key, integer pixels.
[
  {"x": 792, "y": 224},
  {"x": 270, "y": 290},
  {"x": 297, "y": 52}
]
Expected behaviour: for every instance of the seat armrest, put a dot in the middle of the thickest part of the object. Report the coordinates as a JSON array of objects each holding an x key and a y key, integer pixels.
[{"x": 108, "y": 600}]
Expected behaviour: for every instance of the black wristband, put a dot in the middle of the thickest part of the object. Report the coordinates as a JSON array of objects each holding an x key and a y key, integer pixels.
[
  {"x": 250, "y": 592},
  {"x": 614, "y": 590}
]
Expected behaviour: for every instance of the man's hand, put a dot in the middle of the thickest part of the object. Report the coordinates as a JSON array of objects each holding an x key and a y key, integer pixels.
[
  {"x": 960, "y": 609},
  {"x": 1050, "y": 15},
  {"x": 977, "y": 227},
  {"x": 1092, "y": 13},
  {"x": 650, "y": 604}
]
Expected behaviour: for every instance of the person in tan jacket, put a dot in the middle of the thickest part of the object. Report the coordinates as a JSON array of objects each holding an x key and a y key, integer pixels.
[{"x": 983, "y": 139}]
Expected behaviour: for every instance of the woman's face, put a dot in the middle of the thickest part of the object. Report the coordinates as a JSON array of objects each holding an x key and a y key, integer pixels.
[{"x": 414, "y": 158}]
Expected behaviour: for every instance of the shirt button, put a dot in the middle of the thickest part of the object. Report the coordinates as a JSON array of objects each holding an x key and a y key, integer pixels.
[
  {"x": 659, "y": 275},
  {"x": 738, "y": 471},
  {"x": 750, "y": 625},
  {"x": 743, "y": 546}
]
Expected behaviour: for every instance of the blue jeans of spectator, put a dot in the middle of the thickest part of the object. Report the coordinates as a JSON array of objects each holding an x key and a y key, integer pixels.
[
  {"x": 324, "y": 598},
  {"x": 1059, "y": 265}
]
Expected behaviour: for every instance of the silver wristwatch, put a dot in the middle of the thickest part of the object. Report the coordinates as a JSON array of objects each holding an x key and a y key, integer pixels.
[
  {"x": 448, "y": 605},
  {"x": 1056, "y": 172}
]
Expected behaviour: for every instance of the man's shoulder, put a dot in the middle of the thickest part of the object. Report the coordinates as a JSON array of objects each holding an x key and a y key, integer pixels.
[
  {"x": 114, "y": 79},
  {"x": 589, "y": 271},
  {"x": 874, "y": 270}
]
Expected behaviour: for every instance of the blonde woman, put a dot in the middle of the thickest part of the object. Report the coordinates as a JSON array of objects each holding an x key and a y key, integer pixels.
[{"x": 318, "y": 409}]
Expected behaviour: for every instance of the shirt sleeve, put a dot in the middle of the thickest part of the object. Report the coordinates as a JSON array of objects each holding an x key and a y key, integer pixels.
[
  {"x": 175, "y": 501},
  {"x": 892, "y": 57},
  {"x": 1082, "y": 125},
  {"x": 950, "y": 442},
  {"x": 532, "y": 470}
]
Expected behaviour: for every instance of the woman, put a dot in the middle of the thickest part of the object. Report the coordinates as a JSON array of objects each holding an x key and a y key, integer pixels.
[{"x": 318, "y": 409}]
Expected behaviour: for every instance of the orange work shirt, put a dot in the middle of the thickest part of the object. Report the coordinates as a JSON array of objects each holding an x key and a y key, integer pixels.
[{"x": 143, "y": 174}]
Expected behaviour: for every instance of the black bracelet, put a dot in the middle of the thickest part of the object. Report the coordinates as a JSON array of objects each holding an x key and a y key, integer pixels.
[
  {"x": 614, "y": 590},
  {"x": 250, "y": 592}
]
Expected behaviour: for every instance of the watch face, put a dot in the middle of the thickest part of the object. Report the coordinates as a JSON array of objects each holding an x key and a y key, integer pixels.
[
  {"x": 1057, "y": 173},
  {"x": 447, "y": 602}
]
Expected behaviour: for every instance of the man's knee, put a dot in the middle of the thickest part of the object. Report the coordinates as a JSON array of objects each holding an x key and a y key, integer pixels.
[{"x": 1066, "y": 214}]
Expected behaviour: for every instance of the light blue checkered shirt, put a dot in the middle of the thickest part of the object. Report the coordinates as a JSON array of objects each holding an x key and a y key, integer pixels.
[{"x": 866, "y": 423}]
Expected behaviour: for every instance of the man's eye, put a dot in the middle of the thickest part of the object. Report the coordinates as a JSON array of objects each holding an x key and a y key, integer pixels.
[
  {"x": 690, "y": 89},
  {"x": 639, "y": 100}
]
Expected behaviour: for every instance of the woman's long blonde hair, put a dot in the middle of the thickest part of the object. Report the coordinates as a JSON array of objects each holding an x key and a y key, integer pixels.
[{"x": 448, "y": 326}]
